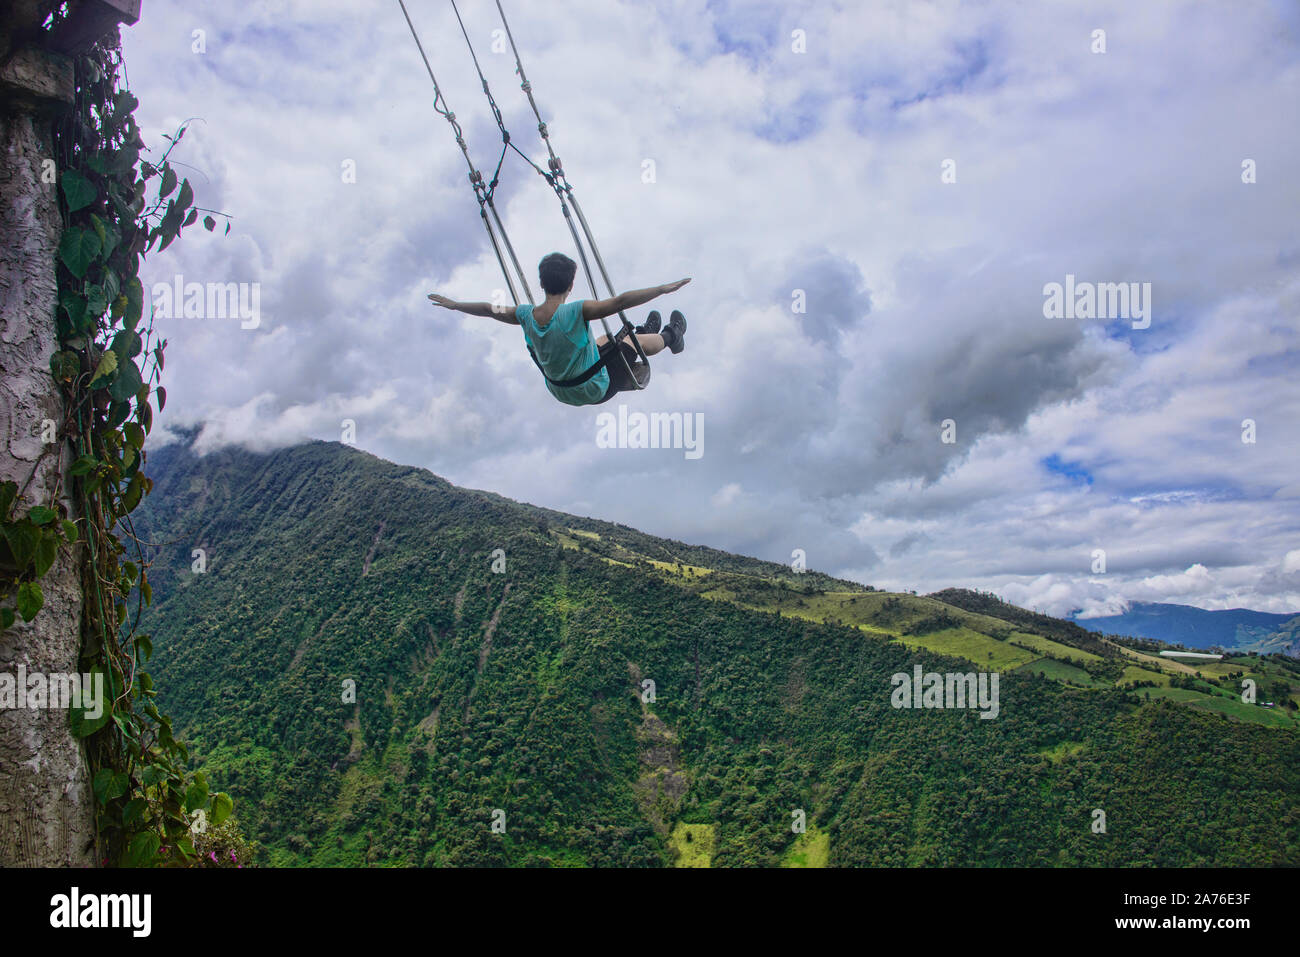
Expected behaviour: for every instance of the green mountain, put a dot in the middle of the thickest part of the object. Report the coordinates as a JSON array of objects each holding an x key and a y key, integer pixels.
[{"x": 384, "y": 669}]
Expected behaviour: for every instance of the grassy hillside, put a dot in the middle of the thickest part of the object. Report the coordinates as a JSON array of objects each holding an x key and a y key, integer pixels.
[{"x": 535, "y": 689}]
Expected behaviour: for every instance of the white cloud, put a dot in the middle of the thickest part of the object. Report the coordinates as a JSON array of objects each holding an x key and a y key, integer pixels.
[{"x": 777, "y": 171}]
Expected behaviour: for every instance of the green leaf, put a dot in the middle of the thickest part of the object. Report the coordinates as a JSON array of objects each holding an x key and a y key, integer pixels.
[
  {"x": 170, "y": 226},
  {"x": 162, "y": 397},
  {"x": 143, "y": 850},
  {"x": 30, "y": 600},
  {"x": 96, "y": 301},
  {"x": 7, "y": 617},
  {"x": 194, "y": 214},
  {"x": 127, "y": 345},
  {"x": 40, "y": 515},
  {"x": 222, "y": 805},
  {"x": 110, "y": 283},
  {"x": 75, "y": 306},
  {"x": 100, "y": 782},
  {"x": 108, "y": 235},
  {"x": 77, "y": 190},
  {"x": 118, "y": 413},
  {"x": 209, "y": 223},
  {"x": 109, "y": 784},
  {"x": 78, "y": 249},
  {"x": 125, "y": 102},
  {"x": 143, "y": 647},
  {"x": 134, "y": 292},
  {"x": 153, "y": 775},
  {"x": 107, "y": 366},
  {"x": 127, "y": 383},
  {"x": 134, "y": 434},
  {"x": 8, "y": 491},
  {"x": 83, "y": 726},
  {"x": 117, "y": 786},
  {"x": 70, "y": 532},
  {"x": 22, "y": 538},
  {"x": 64, "y": 365},
  {"x": 47, "y": 551},
  {"x": 131, "y": 497},
  {"x": 196, "y": 796},
  {"x": 168, "y": 183},
  {"x": 134, "y": 810},
  {"x": 83, "y": 465},
  {"x": 186, "y": 196}
]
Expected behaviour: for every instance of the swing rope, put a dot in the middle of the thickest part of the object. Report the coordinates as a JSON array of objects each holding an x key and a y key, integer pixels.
[
  {"x": 557, "y": 180},
  {"x": 560, "y": 183},
  {"x": 482, "y": 193}
]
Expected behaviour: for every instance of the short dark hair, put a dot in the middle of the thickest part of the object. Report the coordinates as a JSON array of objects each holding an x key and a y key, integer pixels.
[{"x": 556, "y": 271}]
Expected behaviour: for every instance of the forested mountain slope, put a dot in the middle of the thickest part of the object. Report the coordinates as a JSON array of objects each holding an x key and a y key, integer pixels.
[{"x": 501, "y": 653}]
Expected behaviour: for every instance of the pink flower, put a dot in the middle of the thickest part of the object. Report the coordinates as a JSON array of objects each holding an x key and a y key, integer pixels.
[{"x": 213, "y": 856}]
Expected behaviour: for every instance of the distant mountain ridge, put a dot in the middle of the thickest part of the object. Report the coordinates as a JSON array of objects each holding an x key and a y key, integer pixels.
[{"x": 1233, "y": 629}]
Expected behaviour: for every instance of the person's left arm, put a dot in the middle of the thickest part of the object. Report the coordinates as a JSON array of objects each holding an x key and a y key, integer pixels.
[{"x": 487, "y": 310}]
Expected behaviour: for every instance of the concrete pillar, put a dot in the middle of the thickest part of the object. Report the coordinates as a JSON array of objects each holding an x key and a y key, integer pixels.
[{"x": 46, "y": 804}]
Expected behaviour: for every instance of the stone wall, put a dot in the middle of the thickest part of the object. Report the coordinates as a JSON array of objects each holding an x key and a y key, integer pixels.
[{"x": 46, "y": 805}]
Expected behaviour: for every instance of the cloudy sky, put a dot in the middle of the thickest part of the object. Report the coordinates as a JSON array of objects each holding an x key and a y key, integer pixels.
[{"x": 818, "y": 161}]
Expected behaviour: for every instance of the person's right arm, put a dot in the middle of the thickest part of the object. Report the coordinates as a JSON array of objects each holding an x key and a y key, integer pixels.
[
  {"x": 593, "y": 309},
  {"x": 487, "y": 310}
]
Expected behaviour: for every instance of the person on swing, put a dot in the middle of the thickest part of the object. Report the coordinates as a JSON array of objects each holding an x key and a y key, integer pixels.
[{"x": 558, "y": 336}]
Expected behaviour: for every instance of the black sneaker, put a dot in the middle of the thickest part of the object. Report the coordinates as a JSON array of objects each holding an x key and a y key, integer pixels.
[
  {"x": 675, "y": 334},
  {"x": 651, "y": 324}
]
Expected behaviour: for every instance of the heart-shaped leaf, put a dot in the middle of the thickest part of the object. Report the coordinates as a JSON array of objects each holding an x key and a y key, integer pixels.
[
  {"x": 78, "y": 249},
  {"x": 222, "y": 805},
  {"x": 128, "y": 381},
  {"x": 30, "y": 600},
  {"x": 107, "y": 366},
  {"x": 77, "y": 190},
  {"x": 40, "y": 515},
  {"x": 143, "y": 849}
]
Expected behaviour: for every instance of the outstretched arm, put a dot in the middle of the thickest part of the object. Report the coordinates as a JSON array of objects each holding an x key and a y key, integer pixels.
[
  {"x": 486, "y": 309},
  {"x": 593, "y": 309}
]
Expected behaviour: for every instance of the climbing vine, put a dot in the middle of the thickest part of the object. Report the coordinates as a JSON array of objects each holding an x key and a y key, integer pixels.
[{"x": 117, "y": 205}]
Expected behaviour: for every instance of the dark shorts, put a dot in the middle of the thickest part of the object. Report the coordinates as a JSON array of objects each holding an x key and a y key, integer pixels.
[{"x": 619, "y": 379}]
